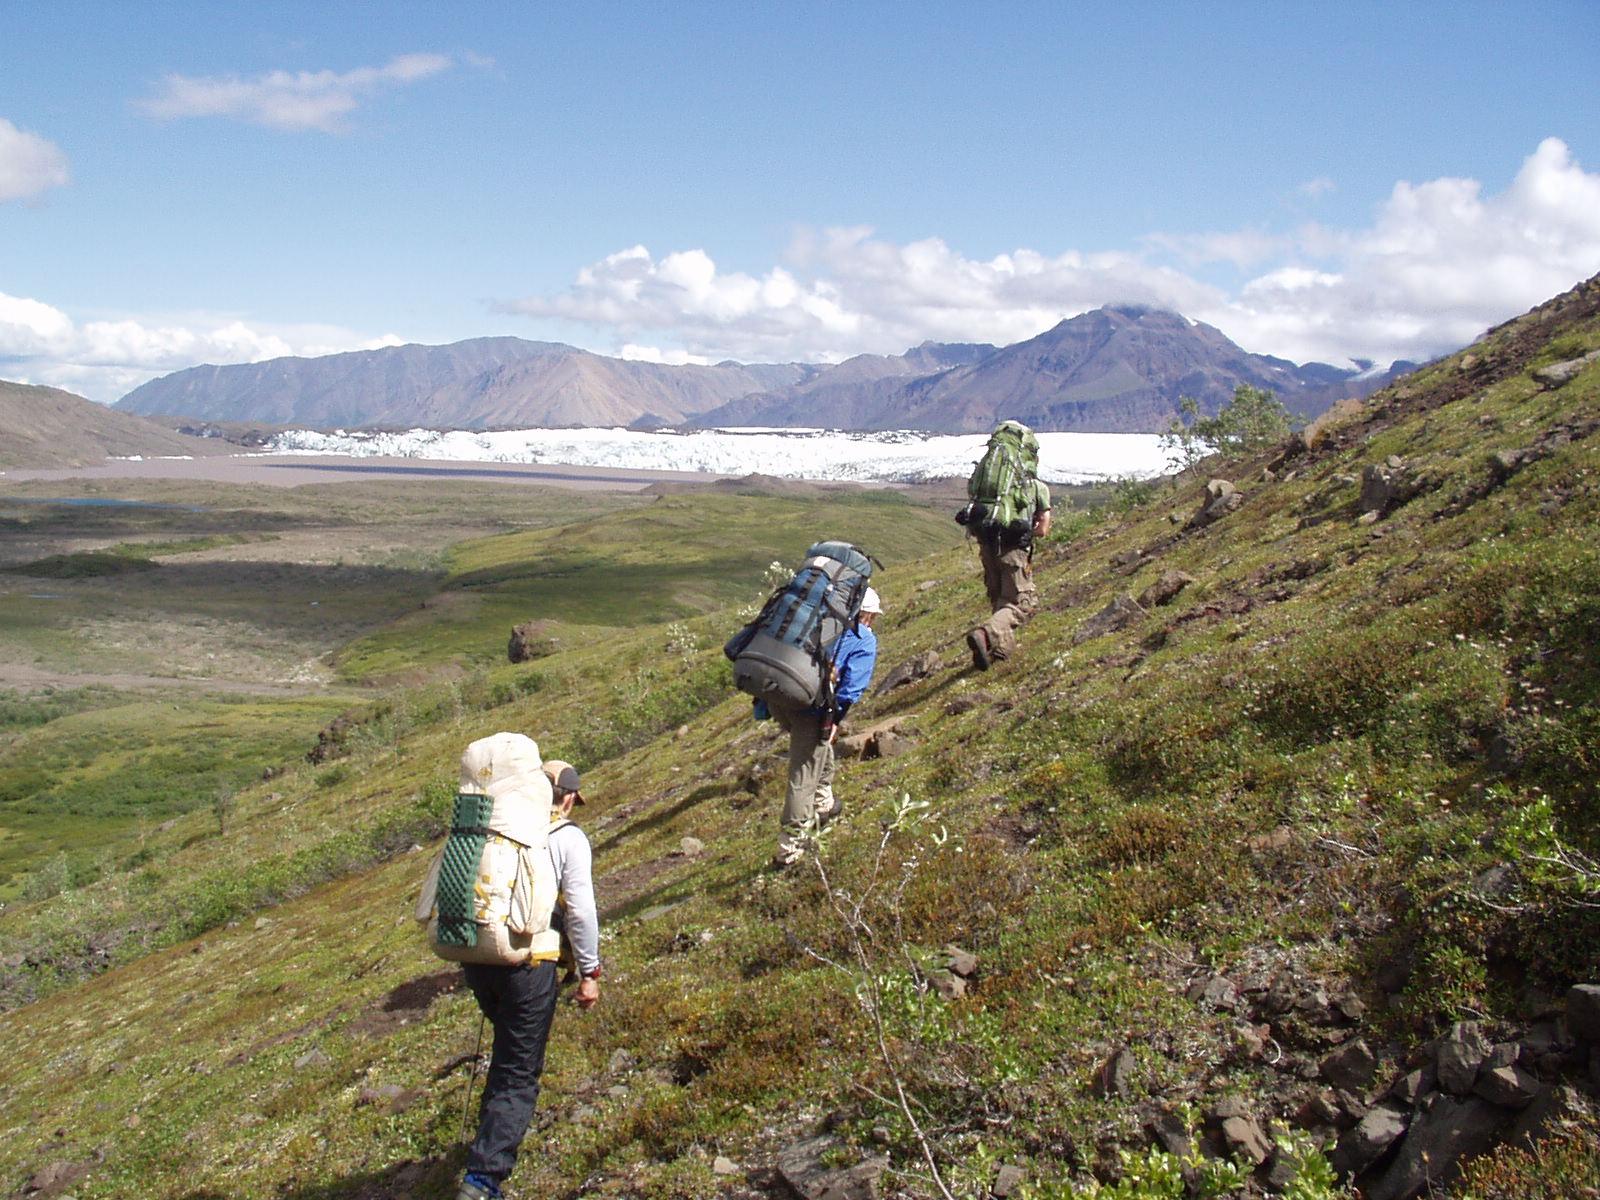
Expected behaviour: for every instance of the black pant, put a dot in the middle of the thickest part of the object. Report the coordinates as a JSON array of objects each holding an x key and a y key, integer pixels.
[{"x": 520, "y": 1003}]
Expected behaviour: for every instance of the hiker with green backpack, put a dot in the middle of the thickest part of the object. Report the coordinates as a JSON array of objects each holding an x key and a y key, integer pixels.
[
  {"x": 509, "y": 892},
  {"x": 1008, "y": 507}
]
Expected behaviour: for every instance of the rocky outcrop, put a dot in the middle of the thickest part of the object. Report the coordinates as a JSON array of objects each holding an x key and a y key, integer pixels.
[{"x": 1398, "y": 1131}]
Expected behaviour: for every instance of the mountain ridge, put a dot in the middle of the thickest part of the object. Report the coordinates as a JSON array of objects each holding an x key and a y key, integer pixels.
[{"x": 1119, "y": 369}]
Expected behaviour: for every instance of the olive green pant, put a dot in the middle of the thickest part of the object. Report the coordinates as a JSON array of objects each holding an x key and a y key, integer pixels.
[
  {"x": 810, "y": 764},
  {"x": 1008, "y": 579}
]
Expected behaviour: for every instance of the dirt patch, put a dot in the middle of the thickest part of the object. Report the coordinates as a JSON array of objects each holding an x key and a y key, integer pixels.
[
  {"x": 619, "y": 889},
  {"x": 292, "y": 1035},
  {"x": 405, "y": 1003}
]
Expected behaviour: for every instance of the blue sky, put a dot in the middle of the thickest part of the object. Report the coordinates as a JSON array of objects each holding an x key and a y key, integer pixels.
[{"x": 185, "y": 183}]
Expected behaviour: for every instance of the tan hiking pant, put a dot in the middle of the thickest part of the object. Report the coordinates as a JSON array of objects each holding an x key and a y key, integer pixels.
[
  {"x": 1008, "y": 579},
  {"x": 810, "y": 764}
]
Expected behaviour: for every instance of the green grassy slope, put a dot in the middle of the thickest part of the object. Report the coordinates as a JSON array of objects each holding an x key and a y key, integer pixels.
[{"x": 1306, "y": 765}]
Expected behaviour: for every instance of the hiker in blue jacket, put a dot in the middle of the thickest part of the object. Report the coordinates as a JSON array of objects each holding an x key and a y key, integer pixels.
[{"x": 812, "y": 730}]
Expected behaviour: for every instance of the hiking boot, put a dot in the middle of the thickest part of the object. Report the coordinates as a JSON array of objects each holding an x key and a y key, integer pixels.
[
  {"x": 978, "y": 643},
  {"x": 476, "y": 1187},
  {"x": 788, "y": 853},
  {"x": 827, "y": 807}
]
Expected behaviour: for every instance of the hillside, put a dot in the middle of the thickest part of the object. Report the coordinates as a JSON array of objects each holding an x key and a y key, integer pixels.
[
  {"x": 476, "y": 384},
  {"x": 1283, "y": 822},
  {"x": 47, "y": 427},
  {"x": 1113, "y": 370}
]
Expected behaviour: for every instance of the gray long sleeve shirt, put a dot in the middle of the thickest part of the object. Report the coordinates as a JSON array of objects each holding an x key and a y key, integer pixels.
[{"x": 576, "y": 916}]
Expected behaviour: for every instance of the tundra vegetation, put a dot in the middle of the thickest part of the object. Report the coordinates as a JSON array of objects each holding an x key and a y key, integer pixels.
[{"x": 1087, "y": 914}]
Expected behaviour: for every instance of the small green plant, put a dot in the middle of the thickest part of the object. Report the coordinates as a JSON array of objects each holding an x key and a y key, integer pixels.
[
  {"x": 1531, "y": 841},
  {"x": 50, "y": 879},
  {"x": 1253, "y": 419},
  {"x": 1129, "y": 492}
]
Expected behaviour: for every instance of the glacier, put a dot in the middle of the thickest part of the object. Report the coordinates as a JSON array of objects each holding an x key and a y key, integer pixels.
[{"x": 893, "y": 457}]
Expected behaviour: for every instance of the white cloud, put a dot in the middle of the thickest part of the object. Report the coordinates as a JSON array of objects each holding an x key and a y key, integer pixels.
[
  {"x": 287, "y": 99},
  {"x": 654, "y": 354},
  {"x": 1440, "y": 262},
  {"x": 106, "y": 359},
  {"x": 29, "y": 164},
  {"x": 1313, "y": 188},
  {"x": 846, "y": 292}
]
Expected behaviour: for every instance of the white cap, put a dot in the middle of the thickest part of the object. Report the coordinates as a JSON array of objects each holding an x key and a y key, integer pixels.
[{"x": 869, "y": 602}]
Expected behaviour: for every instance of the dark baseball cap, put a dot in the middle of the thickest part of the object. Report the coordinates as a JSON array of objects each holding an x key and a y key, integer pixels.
[{"x": 563, "y": 777}]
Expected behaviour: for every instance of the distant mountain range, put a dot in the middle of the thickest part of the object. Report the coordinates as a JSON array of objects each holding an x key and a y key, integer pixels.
[
  {"x": 1117, "y": 369},
  {"x": 46, "y": 427}
]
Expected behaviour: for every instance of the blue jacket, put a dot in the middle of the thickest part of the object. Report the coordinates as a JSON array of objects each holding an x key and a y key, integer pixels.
[{"x": 854, "y": 655}]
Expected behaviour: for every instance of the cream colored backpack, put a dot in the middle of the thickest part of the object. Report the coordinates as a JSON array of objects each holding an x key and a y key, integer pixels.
[{"x": 491, "y": 888}]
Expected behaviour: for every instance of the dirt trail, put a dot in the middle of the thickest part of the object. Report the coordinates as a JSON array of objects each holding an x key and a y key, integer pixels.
[{"x": 24, "y": 678}]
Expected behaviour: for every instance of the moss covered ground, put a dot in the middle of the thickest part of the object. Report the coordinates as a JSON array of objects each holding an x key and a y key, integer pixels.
[{"x": 1314, "y": 757}]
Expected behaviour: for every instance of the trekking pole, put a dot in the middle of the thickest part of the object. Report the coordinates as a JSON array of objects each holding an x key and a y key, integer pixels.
[{"x": 466, "y": 1108}]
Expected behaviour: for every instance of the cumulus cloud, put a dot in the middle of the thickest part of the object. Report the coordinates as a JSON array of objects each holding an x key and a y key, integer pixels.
[
  {"x": 29, "y": 164},
  {"x": 845, "y": 292},
  {"x": 103, "y": 360},
  {"x": 1440, "y": 262},
  {"x": 290, "y": 100},
  {"x": 1313, "y": 188}
]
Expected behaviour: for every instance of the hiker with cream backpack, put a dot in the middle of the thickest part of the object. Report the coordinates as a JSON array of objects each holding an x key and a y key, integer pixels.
[{"x": 514, "y": 878}]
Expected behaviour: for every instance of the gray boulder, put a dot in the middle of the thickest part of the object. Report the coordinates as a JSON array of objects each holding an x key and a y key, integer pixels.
[
  {"x": 1509, "y": 1087},
  {"x": 1557, "y": 374},
  {"x": 1460, "y": 1056},
  {"x": 1219, "y": 499},
  {"x": 1583, "y": 1011},
  {"x": 1243, "y": 1136},
  {"x": 1367, "y": 1142},
  {"x": 1377, "y": 489},
  {"x": 1352, "y": 1066},
  {"x": 1444, "y": 1131}
]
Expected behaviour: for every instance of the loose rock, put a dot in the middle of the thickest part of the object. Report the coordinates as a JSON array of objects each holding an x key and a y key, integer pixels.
[
  {"x": 1351, "y": 1066},
  {"x": 1366, "y": 1142},
  {"x": 801, "y": 1166},
  {"x": 1583, "y": 1011},
  {"x": 1165, "y": 589},
  {"x": 1443, "y": 1132},
  {"x": 912, "y": 670},
  {"x": 1460, "y": 1056},
  {"x": 1115, "y": 1076},
  {"x": 1119, "y": 614}
]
